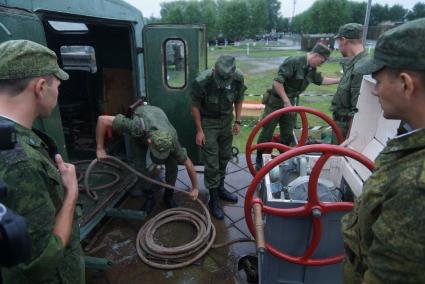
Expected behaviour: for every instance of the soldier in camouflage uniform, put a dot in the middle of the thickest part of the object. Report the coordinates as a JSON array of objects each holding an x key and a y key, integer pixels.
[
  {"x": 344, "y": 102},
  {"x": 293, "y": 77},
  {"x": 214, "y": 94},
  {"x": 41, "y": 187},
  {"x": 150, "y": 130},
  {"x": 385, "y": 233}
]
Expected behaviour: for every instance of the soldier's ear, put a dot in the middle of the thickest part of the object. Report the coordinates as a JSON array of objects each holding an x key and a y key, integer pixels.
[
  {"x": 409, "y": 87},
  {"x": 39, "y": 86}
]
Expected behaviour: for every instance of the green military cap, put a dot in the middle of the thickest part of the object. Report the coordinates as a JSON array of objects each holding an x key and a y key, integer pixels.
[
  {"x": 398, "y": 48},
  {"x": 161, "y": 144},
  {"x": 350, "y": 31},
  {"x": 225, "y": 68},
  {"x": 24, "y": 59},
  {"x": 322, "y": 49}
]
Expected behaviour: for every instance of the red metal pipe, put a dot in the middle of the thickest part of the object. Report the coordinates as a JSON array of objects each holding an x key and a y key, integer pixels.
[
  {"x": 313, "y": 203},
  {"x": 304, "y": 133}
]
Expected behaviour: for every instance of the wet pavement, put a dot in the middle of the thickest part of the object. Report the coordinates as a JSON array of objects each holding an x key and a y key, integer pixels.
[{"x": 116, "y": 239}]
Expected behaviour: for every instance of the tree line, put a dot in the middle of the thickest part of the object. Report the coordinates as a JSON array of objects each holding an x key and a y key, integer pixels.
[
  {"x": 238, "y": 19},
  {"x": 325, "y": 16}
]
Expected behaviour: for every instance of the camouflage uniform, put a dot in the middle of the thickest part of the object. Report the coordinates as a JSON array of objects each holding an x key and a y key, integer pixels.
[
  {"x": 385, "y": 233},
  {"x": 35, "y": 192},
  {"x": 147, "y": 120},
  {"x": 344, "y": 102},
  {"x": 215, "y": 103},
  {"x": 295, "y": 75}
]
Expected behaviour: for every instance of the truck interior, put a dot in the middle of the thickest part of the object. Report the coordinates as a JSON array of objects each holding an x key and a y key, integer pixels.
[{"x": 98, "y": 56}]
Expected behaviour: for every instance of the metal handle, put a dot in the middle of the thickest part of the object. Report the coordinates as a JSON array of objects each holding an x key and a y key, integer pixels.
[{"x": 259, "y": 228}]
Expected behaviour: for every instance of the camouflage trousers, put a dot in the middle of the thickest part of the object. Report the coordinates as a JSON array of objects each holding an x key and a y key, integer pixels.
[
  {"x": 344, "y": 126},
  {"x": 217, "y": 150},
  {"x": 286, "y": 122}
]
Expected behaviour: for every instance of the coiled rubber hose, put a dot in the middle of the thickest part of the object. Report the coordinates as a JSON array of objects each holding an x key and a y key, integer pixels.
[{"x": 158, "y": 256}]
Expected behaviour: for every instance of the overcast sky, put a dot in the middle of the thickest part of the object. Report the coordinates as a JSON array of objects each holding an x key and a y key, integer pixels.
[{"x": 151, "y": 7}]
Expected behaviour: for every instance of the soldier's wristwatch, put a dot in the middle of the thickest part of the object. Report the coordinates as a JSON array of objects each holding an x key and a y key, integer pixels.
[{"x": 238, "y": 122}]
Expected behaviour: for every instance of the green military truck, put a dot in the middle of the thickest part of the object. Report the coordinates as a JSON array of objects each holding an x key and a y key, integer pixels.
[{"x": 113, "y": 59}]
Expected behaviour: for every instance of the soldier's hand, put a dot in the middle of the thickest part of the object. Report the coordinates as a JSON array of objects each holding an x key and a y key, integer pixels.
[
  {"x": 68, "y": 176},
  {"x": 200, "y": 138},
  {"x": 194, "y": 193},
  {"x": 287, "y": 103},
  {"x": 101, "y": 154},
  {"x": 236, "y": 129}
]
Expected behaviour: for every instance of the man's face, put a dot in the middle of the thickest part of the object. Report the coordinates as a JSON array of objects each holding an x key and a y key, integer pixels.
[
  {"x": 316, "y": 60},
  {"x": 50, "y": 96},
  {"x": 389, "y": 90}
]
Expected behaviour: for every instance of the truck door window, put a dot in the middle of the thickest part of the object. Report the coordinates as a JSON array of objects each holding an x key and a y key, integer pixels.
[
  {"x": 68, "y": 26},
  {"x": 175, "y": 62},
  {"x": 78, "y": 57}
]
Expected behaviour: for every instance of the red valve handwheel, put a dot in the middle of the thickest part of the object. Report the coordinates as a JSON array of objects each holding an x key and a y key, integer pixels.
[
  {"x": 304, "y": 133},
  {"x": 314, "y": 208}
]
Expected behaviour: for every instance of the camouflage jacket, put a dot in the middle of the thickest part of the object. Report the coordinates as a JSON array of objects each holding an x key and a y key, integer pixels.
[
  {"x": 35, "y": 192},
  {"x": 295, "y": 75},
  {"x": 215, "y": 102},
  {"x": 345, "y": 99},
  {"x": 153, "y": 118},
  {"x": 385, "y": 234}
]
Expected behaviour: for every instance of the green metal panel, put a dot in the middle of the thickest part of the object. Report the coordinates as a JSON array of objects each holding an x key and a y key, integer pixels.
[
  {"x": 20, "y": 24},
  {"x": 99, "y": 9},
  {"x": 174, "y": 101}
]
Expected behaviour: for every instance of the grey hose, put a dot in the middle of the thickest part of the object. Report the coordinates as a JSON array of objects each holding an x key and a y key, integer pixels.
[{"x": 162, "y": 257}]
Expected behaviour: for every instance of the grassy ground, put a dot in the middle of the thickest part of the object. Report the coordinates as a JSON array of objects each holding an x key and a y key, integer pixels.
[{"x": 260, "y": 67}]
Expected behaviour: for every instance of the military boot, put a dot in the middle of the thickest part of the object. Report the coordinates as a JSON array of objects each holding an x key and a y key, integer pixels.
[
  {"x": 169, "y": 199},
  {"x": 259, "y": 160},
  {"x": 226, "y": 195},
  {"x": 214, "y": 204}
]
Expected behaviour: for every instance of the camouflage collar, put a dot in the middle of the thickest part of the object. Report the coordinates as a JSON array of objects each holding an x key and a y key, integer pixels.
[
  {"x": 26, "y": 135},
  {"x": 356, "y": 58},
  {"x": 409, "y": 141}
]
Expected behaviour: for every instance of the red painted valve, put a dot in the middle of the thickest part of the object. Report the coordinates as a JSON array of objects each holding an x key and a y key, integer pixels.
[
  {"x": 281, "y": 147},
  {"x": 314, "y": 208}
]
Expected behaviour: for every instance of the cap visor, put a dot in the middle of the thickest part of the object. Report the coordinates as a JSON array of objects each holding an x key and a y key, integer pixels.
[
  {"x": 368, "y": 66},
  {"x": 62, "y": 75},
  {"x": 159, "y": 155}
]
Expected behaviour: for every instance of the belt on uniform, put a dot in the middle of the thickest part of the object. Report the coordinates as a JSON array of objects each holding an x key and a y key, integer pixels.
[
  {"x": 217, "y": 116},
  {"x": 277, "y": 96},
  {"x": 344, "y": 118}
]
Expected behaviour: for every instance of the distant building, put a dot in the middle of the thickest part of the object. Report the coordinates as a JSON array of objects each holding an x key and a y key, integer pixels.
[{"x": 309, "y": 40}]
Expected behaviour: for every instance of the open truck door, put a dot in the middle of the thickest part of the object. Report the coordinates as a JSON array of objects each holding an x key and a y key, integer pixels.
[
  {"x": 21, "y": 24},
  {"x": 173, "y": 57}
]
